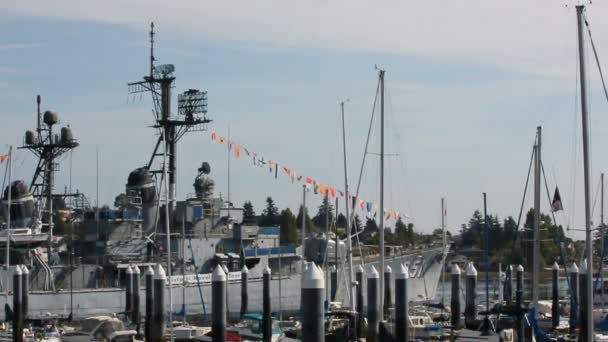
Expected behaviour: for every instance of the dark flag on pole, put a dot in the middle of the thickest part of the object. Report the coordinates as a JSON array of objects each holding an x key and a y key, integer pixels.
[{"x": 556, "y": 204}]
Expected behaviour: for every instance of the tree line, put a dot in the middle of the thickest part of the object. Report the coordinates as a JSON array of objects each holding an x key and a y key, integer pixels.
[
  {"x": 290, "y": 224},
  {"x": 508, "y": 244}
]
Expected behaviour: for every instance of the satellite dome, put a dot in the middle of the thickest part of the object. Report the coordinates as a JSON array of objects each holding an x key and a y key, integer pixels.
[
  {"x": 66, "y": 135},
  {"x": 18, "y": 190},
  {"x": 51, "y": 117},
  {"x": 205, "y": 168},
  {"x": 30, "y": 138},
  {"x": 139, "y": 177}
]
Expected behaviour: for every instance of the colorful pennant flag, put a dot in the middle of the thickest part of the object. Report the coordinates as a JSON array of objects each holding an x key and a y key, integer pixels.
[
  {"x": 323, "y": 190},
  {"x": 3, "y": 157}
]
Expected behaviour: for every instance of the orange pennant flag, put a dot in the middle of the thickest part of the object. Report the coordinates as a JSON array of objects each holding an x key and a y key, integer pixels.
[
  {"x": 323, "y": 190},
  {"x": 222, "y": 140},
  {"x": 237, "y": 151},
  {"x": 3, "y": 157}
]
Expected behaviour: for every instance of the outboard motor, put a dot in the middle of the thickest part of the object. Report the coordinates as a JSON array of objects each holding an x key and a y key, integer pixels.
[
  {"x": 141, "y": 185},
  {"x": 22, "y": 205}
]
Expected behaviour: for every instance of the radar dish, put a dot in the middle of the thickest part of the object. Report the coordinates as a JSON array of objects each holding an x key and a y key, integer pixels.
[
  {"x": 165, "y": 69},
  {"x": 205, "y": 168}
]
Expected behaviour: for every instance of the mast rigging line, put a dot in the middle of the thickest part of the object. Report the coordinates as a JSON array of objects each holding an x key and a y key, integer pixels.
[
  {"x": 597, "y": 59},
  {"x": 523, "y": 200},
  {"x": 369, "y": 132}
]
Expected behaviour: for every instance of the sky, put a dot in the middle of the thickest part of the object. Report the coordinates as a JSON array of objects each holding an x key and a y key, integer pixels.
[{"x": 467, "y": 83}]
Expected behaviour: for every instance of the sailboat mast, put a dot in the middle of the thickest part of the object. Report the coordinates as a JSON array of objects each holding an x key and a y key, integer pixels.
[
  {"x": 381, "y": 308},
  {"x": 445, "y": 242},
  {"x": 349, "y": 244},
  {"x": 303, "y": 226},
  {"x": 229, "y": 149},
  {"x": 8, "y": 219},
  {"x": 536, "y": 227},
  {"x": 587, "y": 178},
  {"x": 602, "y": 232},
  {"x": 168, "y": 232}
]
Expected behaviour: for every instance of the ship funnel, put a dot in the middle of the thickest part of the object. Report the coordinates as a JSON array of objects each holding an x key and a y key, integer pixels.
[
  {"x": 141, "y": 191},
  {"x": 22, "y": 204}
]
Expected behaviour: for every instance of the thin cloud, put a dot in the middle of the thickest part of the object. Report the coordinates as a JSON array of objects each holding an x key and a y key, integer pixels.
[
  {"x": 8, "y": 70},
  {"x": 533, "y": 37},
  {"x": 19, "y": 46}
]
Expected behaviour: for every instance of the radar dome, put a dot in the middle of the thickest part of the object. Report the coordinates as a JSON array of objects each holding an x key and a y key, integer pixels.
[
  {"x": 205, "y": 168},
  {"x": 66, "y": 135},
  {"x": 30, "y": 138},
  {"x": 51, "y": 117}
]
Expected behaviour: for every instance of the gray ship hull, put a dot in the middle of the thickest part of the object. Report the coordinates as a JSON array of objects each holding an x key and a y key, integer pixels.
[{"x": 425, "y": 271}]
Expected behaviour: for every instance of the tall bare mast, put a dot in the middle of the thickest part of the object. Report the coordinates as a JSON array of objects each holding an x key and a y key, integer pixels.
[
  {"x": 602, "y": 241},
  {"x": 8, "y": 220},
  {"x": 349, "y": 244},
  {"x": 587, "y": 177},
  {"x": 536, "y": 226},
  {"x": 382, "y": 256}
]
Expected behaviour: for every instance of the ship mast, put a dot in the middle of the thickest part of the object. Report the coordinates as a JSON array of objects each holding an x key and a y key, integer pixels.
[
  {"x": 48, "y": 147},
  {"x": 191, "y": 104}
]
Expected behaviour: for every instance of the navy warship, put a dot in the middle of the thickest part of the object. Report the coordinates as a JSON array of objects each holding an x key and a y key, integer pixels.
[{"x": 78, "y": 255}]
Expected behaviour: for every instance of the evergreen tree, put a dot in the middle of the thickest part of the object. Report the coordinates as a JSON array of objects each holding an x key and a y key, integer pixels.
[
  {"x": 401, "y": 233},
  {"x": 308, "y": 220},
  {"x": 325, "y": 214},
  {"x": 248, "y": 213},
  {"x": 289, "y": 228},
  {"x": 370, "y": 234},
  {"x": 357, "y": 225},
  {"x": 341, "y": 221},
  {"x": 270, "y": 215}
]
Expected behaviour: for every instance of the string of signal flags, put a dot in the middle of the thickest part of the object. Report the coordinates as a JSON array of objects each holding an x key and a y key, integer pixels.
[{"x": 275, "y": 169}]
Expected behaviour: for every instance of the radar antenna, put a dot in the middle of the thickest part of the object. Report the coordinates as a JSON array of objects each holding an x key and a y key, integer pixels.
[
  {"x": 48, "y": 146},
  {"x": 191, "y": 115}
]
